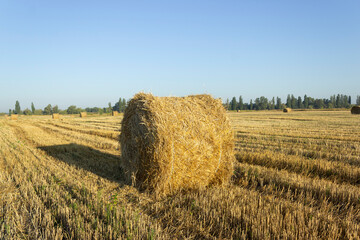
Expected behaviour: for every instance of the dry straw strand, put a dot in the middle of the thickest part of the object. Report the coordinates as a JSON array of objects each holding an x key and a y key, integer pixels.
[
  {"x": 174, "y": 143},
  {"x": 287, "y": 110},
  {"x": 83, "y": 114},
  {"x": 355, "y": 110}
]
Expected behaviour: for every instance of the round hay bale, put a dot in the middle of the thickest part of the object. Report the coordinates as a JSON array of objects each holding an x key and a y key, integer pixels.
[
  {"x": 174, "y": 143},
  {"x": 355, "y": 110},
  {"x": 14, "y": 117},
  {"x": 55, "y": 116},
  {"x": 115, "y": 113},
  {"x": 287, "y": 110},
  {"x": 237, "y": 110},
  {"x": 6, "y": 116},
  {"x": 83, "y": 114}
]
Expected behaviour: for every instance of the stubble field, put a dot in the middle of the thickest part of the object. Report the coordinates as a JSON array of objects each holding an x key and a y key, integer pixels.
[{"x": 297, "y": 176}]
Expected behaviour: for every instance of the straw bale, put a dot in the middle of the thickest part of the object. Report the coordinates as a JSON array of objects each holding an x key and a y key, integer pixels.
[
  {"x": 83, "y": 114},
  {"x": 55, "y": 116},
  {"x": 174, "y": 143},
  {"x": 6, "y": 116},
  {"x": 355, "y": 110},
  {"x": 115, "y": 113},
  {"x": 286, "y": 110},
  {"x": 14, "y": 117},
  {"x": 238, "y": 111}
]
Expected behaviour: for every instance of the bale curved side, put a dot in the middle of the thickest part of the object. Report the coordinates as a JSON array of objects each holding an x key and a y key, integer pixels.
[
  {"x": 173, "y": 143},
  {"x": 355, "y": 110}
]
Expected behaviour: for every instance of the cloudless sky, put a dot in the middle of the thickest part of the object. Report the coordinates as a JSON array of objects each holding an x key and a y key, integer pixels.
[{"x": 88, "y": 53}]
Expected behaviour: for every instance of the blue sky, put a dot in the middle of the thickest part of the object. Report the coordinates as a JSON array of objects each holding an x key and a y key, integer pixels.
[{"x": 89, "y": 53}]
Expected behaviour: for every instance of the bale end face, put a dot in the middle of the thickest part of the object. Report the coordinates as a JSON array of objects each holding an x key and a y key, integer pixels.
[{"x": 174, "y": 143}]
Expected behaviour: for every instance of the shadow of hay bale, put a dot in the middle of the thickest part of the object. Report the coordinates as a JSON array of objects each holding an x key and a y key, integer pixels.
[{"x": 102, "y": 164}]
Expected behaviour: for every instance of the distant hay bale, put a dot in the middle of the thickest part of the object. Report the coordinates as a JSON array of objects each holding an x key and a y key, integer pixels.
[
  {"x": 55, "y": 116},
  {"x": 174, "y": 143},
  {"x": 115, "y": 113},
  {"x": 6, "y": 116},
  {"x": 286, "y": 110},
  {"x": 355, "y": 110},
  {"x": 14, "y": 117},
  {"x": 238, "y": 111},
  {"x": 83, "y": 114}
]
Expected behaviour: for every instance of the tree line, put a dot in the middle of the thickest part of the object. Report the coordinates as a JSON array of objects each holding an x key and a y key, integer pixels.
[
  {"x": 49, "y": 109},
  {"x": 262, "y": 103}
]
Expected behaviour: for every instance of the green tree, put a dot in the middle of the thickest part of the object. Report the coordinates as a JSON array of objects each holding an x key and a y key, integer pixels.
[
  {"x": 293, "y": 101},
  {"x": 358, "y": 100},
  {"x": 241, "y": 103},
  {"x": 319, "y": 103},
  {"x": 109, "y": 108},
  {"x": 278, "y": 103},
  {"x": 55, "y": 109},
  {"x": 48, "y": 110},
  {"x": 227, "y": 104},
  {"x": 257, "y": 104},
  {"x": 306, "y": 101},
  {"x": 17, "y": 108},
  {"x": 300, "y": 103},
  {"x": 332, "y": 101},
  {"x": 123, "y": 105},
  {"x": 251, "y": 104},
  {"x": 338, "y": 104},
  {"x": 72, "y": 110},
  {"x": 27, "y": 112},
  {"x": 32, "y": 108},
  {"x": 9, "y": 112},
  {"x": 263, "y": 103},
  {"x": 288, "y": 101},
  {"x": 272, "y": 103},
  {"x": 233, "y": 104},
  {"x": 38, "y": 112}
]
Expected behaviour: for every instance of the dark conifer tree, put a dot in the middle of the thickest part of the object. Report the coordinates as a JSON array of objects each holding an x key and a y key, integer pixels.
[
  {"x": 32, "y": 108},
  {"x": 17, "y": 108}
]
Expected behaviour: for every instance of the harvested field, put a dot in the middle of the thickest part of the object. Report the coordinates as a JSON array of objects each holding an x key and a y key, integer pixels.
[{"x": 296, "y": 176}]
